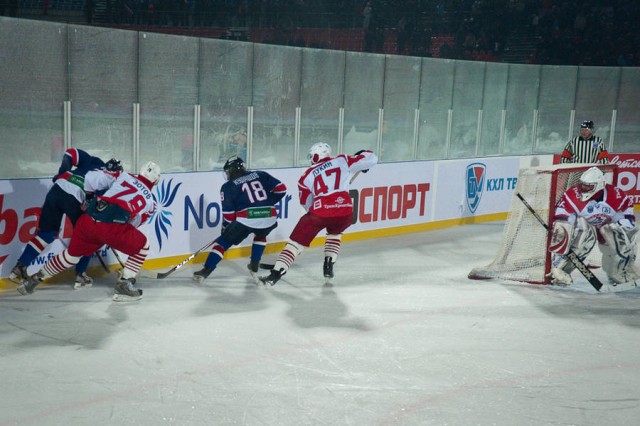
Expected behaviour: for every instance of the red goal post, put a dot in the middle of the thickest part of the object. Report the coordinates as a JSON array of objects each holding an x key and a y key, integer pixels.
[{"x": 523, "y": 253}]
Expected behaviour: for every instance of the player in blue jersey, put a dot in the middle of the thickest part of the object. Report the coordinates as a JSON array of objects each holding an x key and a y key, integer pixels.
[
  {"x": 65, "y": 197},
  {"x": 248, "y": 207}
]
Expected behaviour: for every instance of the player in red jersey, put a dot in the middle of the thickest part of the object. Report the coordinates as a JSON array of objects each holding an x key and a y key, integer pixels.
[
  {"x": 64, "y": 198},
  {"x": 113, "y": 219},
  {"x": 589, "y": 212},
  {"x": 324, "y": 193}
]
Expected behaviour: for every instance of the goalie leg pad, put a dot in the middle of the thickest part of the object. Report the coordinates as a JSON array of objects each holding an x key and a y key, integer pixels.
[
  {"x": 619, "y": 253},
  {"x": 561, "y": 237},
  {"x": 584, "y": 238}
]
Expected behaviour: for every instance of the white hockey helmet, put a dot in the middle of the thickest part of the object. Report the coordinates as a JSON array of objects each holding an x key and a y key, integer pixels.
[
  {"x": 150, "y": 171},
  {"x": 319, "y": 151},
  {"x": 591, "y": 182}
]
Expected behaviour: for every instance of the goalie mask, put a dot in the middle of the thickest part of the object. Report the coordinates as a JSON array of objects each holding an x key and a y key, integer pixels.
[
  {"x": 591, "y": 182},
  {"x": 151, "y": 172},
  {"x": 319, "y": 151}
]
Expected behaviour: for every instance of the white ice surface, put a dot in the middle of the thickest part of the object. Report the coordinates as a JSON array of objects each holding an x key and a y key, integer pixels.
[{"x": 403, "y": 338}]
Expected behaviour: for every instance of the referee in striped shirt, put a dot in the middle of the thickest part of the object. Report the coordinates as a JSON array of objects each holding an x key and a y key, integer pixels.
[{"x": 586, "y": 148}]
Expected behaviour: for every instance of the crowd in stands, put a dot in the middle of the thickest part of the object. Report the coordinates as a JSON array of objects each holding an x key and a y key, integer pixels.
[
  {"x": 561, "y": 32},
  {"x": 587, "y": 32},
  {"x": 9, "y": 8}
]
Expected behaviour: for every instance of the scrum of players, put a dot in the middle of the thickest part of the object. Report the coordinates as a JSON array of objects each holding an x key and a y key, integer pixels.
[{"x": 107, "y": 205}]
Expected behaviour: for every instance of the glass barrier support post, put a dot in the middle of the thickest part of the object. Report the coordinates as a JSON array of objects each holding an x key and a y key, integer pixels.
[
  {"x": 136, "y": 136},
  {"x": 67, "y": 125},
  {"x": 196, "y": 137}
]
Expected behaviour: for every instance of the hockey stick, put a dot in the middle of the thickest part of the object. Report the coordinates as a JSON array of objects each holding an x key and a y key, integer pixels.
[
  {"x": 161, "y": 275},
  {"x": 579, "y": 264},
  {"x": 115, "y": 253},
  {"x": 102, "y": 262},
  {"x": 143, "y": 272},
  {"x": 270, "y": 265}
]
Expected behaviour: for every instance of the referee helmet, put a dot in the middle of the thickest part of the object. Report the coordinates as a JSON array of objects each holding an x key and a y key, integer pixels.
[{"x": 587, "y": 124}]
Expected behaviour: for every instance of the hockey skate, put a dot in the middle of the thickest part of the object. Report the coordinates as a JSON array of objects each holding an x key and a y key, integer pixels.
[
  {"x": 327, "y": 269},
  {"x": 125, "y": 290},
  {"x": 560, "y": 274},
  {"x": 203, "y": 273},
  {"x": 560, "y": 277},
  {"x": 19, "y": 273},
  {"x": 624, "y": 276},
  {"x": 273, "y": 277},
  {"x": 627, "y": 279},
  {"x": 82, "y": 281},
  {"x": 30, "y": 283},
  {"x": 253, "y": 267}
]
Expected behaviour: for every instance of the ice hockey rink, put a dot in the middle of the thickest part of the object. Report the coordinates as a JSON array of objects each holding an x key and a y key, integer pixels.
[{"x": 402, "y": 338}]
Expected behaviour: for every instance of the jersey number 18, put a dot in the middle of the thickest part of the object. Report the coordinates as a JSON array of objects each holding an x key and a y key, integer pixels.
[{"x": 254, "y": 190}]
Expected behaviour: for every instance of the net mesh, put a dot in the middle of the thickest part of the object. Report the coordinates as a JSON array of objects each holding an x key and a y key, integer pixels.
[{"x": 523, "y": 253}]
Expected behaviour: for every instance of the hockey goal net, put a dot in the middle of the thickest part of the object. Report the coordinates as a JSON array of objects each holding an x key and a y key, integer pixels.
[{"x": 523, "y": 254}]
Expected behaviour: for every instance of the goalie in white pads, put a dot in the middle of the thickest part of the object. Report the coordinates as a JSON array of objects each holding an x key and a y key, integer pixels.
[{"x": 589, "y": 212}]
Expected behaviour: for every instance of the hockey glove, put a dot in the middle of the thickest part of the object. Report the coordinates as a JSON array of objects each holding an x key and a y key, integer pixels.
[
  {"x": 88, "y": 197},
  {"x": 360, "y": 152},
  {"x": 225, "y": 224}
]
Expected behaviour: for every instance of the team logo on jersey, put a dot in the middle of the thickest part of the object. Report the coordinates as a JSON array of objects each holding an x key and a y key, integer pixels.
[
  {"x": 165, "y": 194},
  {"x": 476, "y": 175}
]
